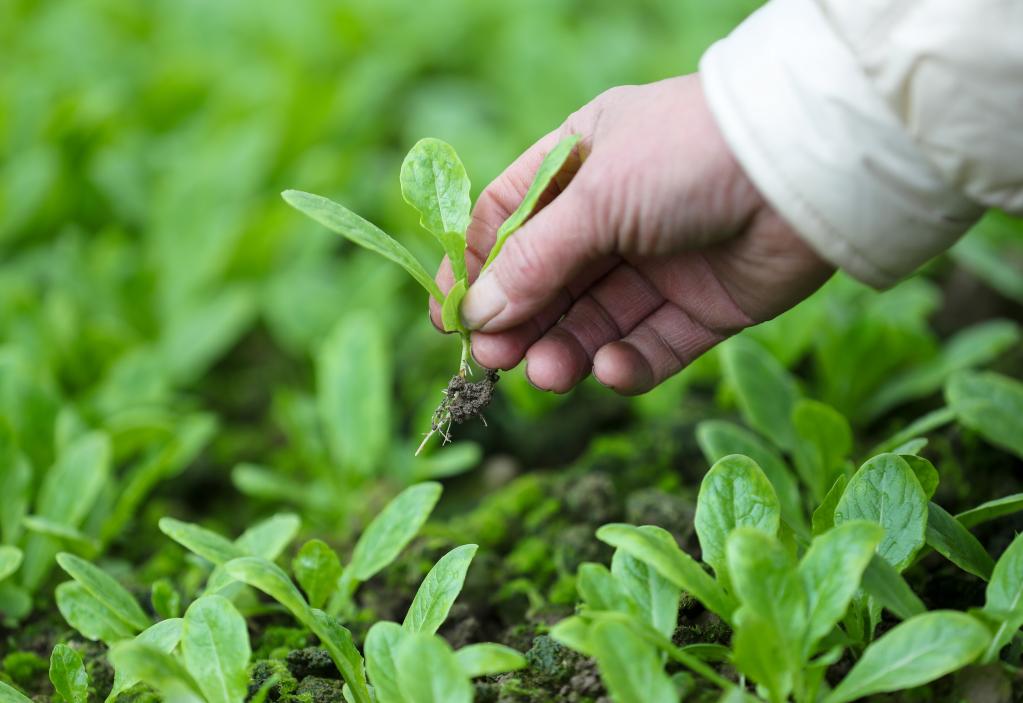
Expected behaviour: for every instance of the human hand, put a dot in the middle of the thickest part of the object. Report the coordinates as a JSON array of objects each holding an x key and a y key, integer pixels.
[{"x": 651, "y": 247}]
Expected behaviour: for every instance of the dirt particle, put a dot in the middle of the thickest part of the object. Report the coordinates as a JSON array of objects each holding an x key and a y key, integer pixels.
[{"x": 463, "y": 400}]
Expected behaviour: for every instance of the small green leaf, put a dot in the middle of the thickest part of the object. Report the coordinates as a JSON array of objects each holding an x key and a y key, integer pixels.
[
  {"x": 719, "y": 438},
  {"x": 886, "y": 491},
  {"x": 991, "y": 510},
  {"x": 574, "y": 633},
  {"x": 165, "y": 599},
  {"x": 756, "y": 653},
  {"x": 450, "y": 312},
  {"x": 434, "y": 182},
  {"x": 489, "y": 659},
  {"x": 68, "y": 675},
  {"x": 198, "y": 540},
  {"x": 600, "y": 590},
  {"x": 823, "y": 442},
  {"x": 734, "y": 493},
  {"x": 270, "y": 537},
  {"x": 105, "y": 589},
  {"x": 921, "y": 426},
  {"x": 439, "y": 590},
  {"x": 824, "y": 516},
  {"x": 164, "y": 636},
  {"x": 68, "y": 537},
  {"x": 271, "y": 580},
  {"x": 913, "y": 653},
  {"x": 15, "y": 488},
  {"x": 93, "y": 619},
  {"x": 8, "y": 694},
  {"x": 656, "y": 597},
  {"x": 630, "y": 666},
  {"x": 392, "y": 529},
  {"x": 337, "y": 640},
  {"x": 429, "y": 672},
  {"x": 317, "y": 569},
  {"x": 1005, "y": 597},
  {"x": 991, "y": 405},
  {"x": 831, "y": 571},
  {"x": 215, "y": 645},
  {"x": 151, "y": 665},
  {"x": 765, "y": 391},
  {"x": 925, "y": 473},
  {"x": 657, "y": 548},
  {"x": 954, "y": 542},
  {"x": 10, "y": 560},
  {"x": 353, "y": 392},
  {"x": 885, "y": 585},
  {"x": 381, "y": 648},
  {"x": 346, "y": 223},
  {"x": 549, "y": 168}
]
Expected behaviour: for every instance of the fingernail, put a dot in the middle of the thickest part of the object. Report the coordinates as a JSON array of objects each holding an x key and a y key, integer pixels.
[{"x": 483, "y": 302}]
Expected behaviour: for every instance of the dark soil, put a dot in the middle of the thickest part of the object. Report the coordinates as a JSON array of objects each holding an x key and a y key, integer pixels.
[{"x": 463, "y": 400}]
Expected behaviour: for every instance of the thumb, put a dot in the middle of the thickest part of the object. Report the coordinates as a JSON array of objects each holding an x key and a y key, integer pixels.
[{"x": 537, "y": 262}]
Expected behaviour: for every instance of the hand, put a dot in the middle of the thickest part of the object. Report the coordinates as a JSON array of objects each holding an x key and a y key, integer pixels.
[{"x": 651, "y": 247}]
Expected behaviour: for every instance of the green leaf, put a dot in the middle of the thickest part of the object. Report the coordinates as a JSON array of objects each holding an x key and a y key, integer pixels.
[
  {"x": 105, "y": 588},
  {"x": 600, "y": 590},
  {"x": 656, "y": 597},
  {"x": 67, "y": 494},
  {"x": 824, "y": 516},
  {"x": 205, "y": 543},
  {"x": 439, "y": 590},
  {"x": 886, "y": 491},
  {"x": 823, "y": 442},
  {"x": 734, "y": 493},
  {"x": 991, "y": 405},
  {"x": 831, "y": 571},
  {"x": 353, "y": 393},
  {"x": 913, "y": 653},
  {"x": 64, "y": 535},
  {"x": 756, "y": 653},
  {"x": 165, "y": 599},
  {"x": 925, "y": 473},
  {"x": 630, "y": 667},
  {"x": 921, "y": 426},
  {"x": 266, "y": 539},
  {"x": 434, "y": 182},
  {"x": 15, "y": 602},
  {"x": 381, "y": 648},
  {"x": 151, "y": 665},
  {"x": 450, "y": 311},
  {"x": 489, "y": 659},
  {"x": 954, "y": 542},
  {"x": 346, "y": 223},
  {"x": 1005, "y": 597},
  {"x": 164, "y": 636},
  {"x": 766, "y": 393},
  {"x": 15, "y": 488},
  {"x": 970, "y": 347},
  {"x": 68, "y": 675},
  {"x": 657, "y": 548},
  {"x": 317, "y": 569},
  {"x": 718, "y": 439},
  {"x": 770, "y": 588},
  {"x": 574, "y": 633},
  {"x": 549, "y": 168},
  {"x": 991, "y": 510},
  {"x": 337, "y": 640},
  {"x": 885, "y": 585},
  {"x": 8, "y": 694},
  {"x": 10, "y": 560},
  {"x": 93, "y": 619},
  {"x": 215, "y": 645},
  {"x": 429, "y": 672},
  {"x": 392, "y": 529}
]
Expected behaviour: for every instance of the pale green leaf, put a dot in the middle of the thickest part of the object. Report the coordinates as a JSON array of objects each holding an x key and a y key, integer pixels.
[
  {"x": 765, "y": 391},
  {"x": 913, "y": 653},
  {"x": 886, "y": 586},
  {"x": 549, "y": 168},
  {"x": 823, "y": 442},
  {"x": 630, "y": 667},
  {"x": 10, "y": 560},
  {"x": 991, "y": 510},
  {"x": 8, "y": 694},
  {"x": 392, "y": 529},
  {"x": 317, "y": 569},
  {"x": 164, "y": 636},
  {"x": 925, "y": 473},
  {"x": 489, "y": 659},
  {"x": 886, "y": 491},
  {"x": 600, "y": 590},
  {"x": 574, "y": 633},
  {"x": 734, "y": 493},
  {"x": 1004, "y": 601},
  {"x": 756, "y": 654},
  {"x": 346, "y": 223},
  {"x": 824, "y": 516},
  {"x": 450, "y": 311},
  {"x": 93, "y": 619},
  {"x": 338, "y": 642},
  {"x": 381, "y": 648},
  {"x": 215, "y": 645},
  {"x": 656, "y": 597},
  {"x": 68, "y": 675},
  {"x": 954, "y": 542},
  {"x": 155, "y": 667},
  {"x": 439, "y": 590},
  {"x": 429, "y": 672},
  {"x": 207, "y": 544},
  {"x": 105, "y": 588},
  {"x": 991, "y": 405}
]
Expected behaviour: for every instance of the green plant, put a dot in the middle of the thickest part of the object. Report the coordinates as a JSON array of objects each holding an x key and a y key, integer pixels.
[{"x": 434, "y": 182}]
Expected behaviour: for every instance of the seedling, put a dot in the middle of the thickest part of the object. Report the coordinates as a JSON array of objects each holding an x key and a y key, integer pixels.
[{"x": 434, "y": 182}]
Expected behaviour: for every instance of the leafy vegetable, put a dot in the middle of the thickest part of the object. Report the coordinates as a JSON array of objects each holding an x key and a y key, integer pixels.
[
  {"x": 438, "y": 591},
  {"x": 630, "y": 666},
  {"x": 215, "y": 645},
  {"x": 1004, "y": 604},
  {"x": 765, "y": 392},
  {"x": 68, "y": 675},
  {"x": 392, "y": 529},
  {"x": 991, "y": 405},
  {"x": 317, "y": 569}
]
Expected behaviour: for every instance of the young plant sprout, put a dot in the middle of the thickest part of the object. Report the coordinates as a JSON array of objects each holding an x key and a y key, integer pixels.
[{"x": 434, "y": 182}]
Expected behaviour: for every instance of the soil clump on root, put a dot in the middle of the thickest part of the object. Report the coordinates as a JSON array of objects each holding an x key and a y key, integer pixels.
[{"x": 463, "y": 400}]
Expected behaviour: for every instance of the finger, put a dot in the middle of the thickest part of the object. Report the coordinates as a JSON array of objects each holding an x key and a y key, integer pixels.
[
  {"x": 611, "y": 309},
  {"x": 550, "y": 250},
  {"x": 445, "y": 279},
  {"x": 504, "y": 350},
  {"x": 659, "y": 347}
]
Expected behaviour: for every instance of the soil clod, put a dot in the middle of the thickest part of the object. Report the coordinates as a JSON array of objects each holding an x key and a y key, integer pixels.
[{"x": 463, "y": 400}]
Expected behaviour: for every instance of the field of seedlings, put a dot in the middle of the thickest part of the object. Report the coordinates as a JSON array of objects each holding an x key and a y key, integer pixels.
[{"x": 238, "y": 462}]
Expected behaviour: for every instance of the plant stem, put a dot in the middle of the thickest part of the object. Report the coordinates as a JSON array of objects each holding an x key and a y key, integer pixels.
[{"x": 463, "y": 365}]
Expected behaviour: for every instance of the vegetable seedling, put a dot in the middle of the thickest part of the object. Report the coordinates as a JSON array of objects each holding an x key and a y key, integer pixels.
[{"x": 434, "y": 182}]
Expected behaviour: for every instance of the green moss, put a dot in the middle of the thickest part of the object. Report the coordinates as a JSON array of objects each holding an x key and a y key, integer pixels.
[
  {"x": 24, "y": 667},
  {"x": 262, "y": 671},
  {"x": 320, "y": 690},
  {"x": 311, "y": 661},
  {"x": 276, "y": 641}
]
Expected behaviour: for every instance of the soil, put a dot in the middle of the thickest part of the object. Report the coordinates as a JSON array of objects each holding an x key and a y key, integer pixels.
[{"x": 463, "y": 400}]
